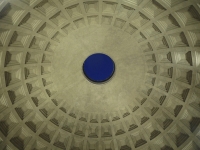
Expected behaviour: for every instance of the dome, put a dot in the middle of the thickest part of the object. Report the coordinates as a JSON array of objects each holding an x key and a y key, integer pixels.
[{"x": 152, "y": 100}]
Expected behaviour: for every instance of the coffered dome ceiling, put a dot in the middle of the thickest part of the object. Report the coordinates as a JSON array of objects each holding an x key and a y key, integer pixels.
[{"x": 151, "y": 103}]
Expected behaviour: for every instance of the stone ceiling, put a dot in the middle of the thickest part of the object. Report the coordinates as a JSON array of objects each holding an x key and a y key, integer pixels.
[{"x": 151, "y": 103}]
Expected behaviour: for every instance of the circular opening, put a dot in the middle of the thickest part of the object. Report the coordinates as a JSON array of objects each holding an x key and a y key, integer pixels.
[{"x": 98, "y": 68}]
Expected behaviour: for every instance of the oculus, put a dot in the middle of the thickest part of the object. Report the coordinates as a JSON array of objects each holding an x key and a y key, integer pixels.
[{"x": 98, "y": 68}]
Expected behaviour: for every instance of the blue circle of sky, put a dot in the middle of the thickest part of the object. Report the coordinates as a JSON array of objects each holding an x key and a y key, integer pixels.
[{"x": 98, "y": 67}]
